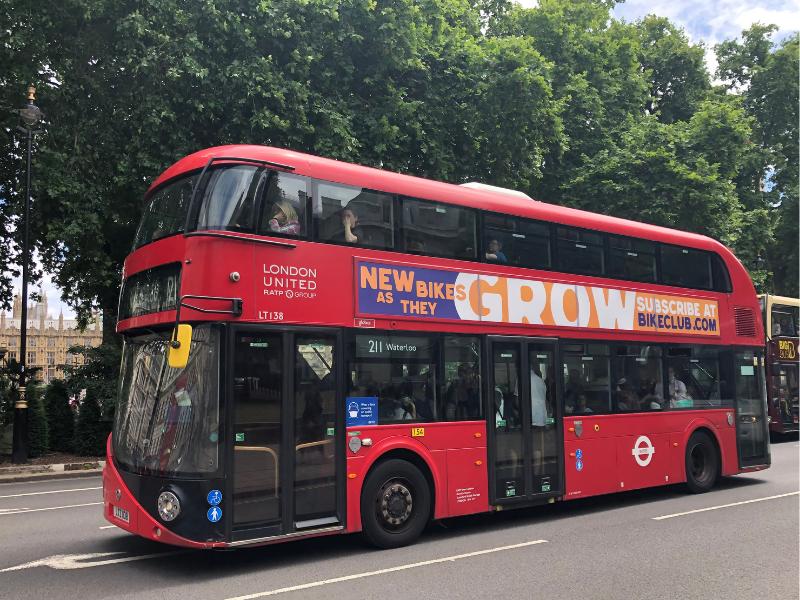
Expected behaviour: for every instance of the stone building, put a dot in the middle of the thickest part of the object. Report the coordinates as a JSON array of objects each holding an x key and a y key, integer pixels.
[{"x": 48, "y": 338}]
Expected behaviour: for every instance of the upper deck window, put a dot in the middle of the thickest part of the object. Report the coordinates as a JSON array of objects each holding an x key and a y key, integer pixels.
[
  {"x": 580, "y": 251},
  {"x": 165, "y": 214},
  {"x": 685, "y": 267},
  {"x": 719, "y": 272},
  {"x": 784, "y": 320},
  {"x": 633, "y": 259},
  {"x": 285, "y": 206},
  {"x": 230, "y": 197},
  {"x": 515, "y": 241},
  {"x": 438, "y": 229},
  {"x": 353, "y": 215}
]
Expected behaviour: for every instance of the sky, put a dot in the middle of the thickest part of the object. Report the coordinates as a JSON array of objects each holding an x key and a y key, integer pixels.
[
  {"x": 712, "y": 21},
  {"x": 53, "y": 293},
  {"x": 707, "y": 21}
]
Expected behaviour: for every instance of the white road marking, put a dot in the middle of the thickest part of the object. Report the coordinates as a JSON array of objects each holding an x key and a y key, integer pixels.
[
  {"x": 52, "y": 492},
  {"x": 85, "y": 561},
  {"x": 19, "y": 511},
  {"x": 699, "y": 510},
  {"x": 424, "y": 563},
  {"x": 41, "y": 481},
  {"x": 107, "y": 527}
]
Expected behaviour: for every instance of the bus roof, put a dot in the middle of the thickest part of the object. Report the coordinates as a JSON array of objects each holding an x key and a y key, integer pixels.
[
  {"x": 782, "y": 300},
  {"x": 407, "y": 185}
]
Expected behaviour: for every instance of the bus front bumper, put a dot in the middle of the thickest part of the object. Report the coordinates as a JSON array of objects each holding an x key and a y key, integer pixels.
[{"x": 120, "y": 508}]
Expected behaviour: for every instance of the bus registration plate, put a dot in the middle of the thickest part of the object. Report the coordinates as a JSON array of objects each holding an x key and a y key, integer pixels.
[{"x": 122, "y": 514}]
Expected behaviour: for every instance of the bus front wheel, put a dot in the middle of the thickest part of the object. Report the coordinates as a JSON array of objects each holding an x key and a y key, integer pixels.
[
  {"x": 395, "y": 504},
  {"x": 702, "y": 463}
]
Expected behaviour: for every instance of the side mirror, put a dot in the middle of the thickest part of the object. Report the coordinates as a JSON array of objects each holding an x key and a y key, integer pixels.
[{"x": 179, "y": 346}]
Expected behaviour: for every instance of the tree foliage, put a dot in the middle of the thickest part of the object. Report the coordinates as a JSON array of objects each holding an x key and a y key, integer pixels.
[
  {"x": 561, "y": 101},
  {"x": 60, "y": 419},
  {"x": 38, "y": 435},
  {"x": 97, "y": 375},
  {"x": 91, "y": 431}
]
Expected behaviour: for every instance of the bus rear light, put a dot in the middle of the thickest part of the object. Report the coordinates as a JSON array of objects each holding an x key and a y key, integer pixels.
[
  {"x": 169, "y": 507},
  {"x": 157, "y": 531}
]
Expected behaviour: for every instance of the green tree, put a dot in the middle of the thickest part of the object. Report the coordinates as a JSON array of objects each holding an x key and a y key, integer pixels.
[
  {"x": 60, "y": 419},
  {"x": 675, "y": 69},
  {"x": 38, "y": 439},
  {"x": 405, "y": 85},
  {"x": 98, "y": 374},
  {"x": 766, "y": 78},
  {"x": 91, "y": 431},
  {"x": 654, "y": 174}
]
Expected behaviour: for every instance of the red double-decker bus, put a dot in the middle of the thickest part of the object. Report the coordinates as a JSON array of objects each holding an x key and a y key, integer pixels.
[{"x": 314, "y": 347}]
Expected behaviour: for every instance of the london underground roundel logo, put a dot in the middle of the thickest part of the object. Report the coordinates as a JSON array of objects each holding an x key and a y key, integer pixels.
[{"x": 643, "y": 450}]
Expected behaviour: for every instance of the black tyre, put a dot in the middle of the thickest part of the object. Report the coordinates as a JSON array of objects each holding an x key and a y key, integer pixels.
[
  {"x": 395, "y": 504},
  {"x": 702, "y": 463}
]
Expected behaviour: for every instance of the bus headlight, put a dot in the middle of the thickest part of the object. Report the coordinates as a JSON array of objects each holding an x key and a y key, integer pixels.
[{"x": 169, "y": 507}]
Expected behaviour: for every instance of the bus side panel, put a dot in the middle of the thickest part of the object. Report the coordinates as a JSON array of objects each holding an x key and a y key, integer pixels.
[
  {"x": 467, "y": 484},
  {"x": 643, "y": 461},
  {"x": 602, "y": 459},
  {"x": 590, "y": 461}
]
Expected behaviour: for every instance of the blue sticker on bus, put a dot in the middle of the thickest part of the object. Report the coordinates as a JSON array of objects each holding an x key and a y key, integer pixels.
[
  {"x": 214, "y": 514},
  {"x": 214, "y": 497},
  {"x": 362, "y": 410},
  {"x": 579, "y": 465},
  {"x": 578, "y": 453}
]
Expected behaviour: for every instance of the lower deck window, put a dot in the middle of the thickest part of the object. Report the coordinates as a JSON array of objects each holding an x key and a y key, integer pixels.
[
  {"x": 586, "y": 379},
  {"x": 416, "y": 377},
  {"x": 399, "y": 371}
]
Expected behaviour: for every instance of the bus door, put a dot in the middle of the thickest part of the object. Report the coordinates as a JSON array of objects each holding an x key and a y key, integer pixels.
[
  {"x": 287, "y": 461},
  {"x": 526, "y": 454},
  {"x": 752, "y": 429}
]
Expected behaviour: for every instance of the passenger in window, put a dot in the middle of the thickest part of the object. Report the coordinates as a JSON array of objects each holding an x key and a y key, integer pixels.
[
  {"x": 627, "y": 399},
  {"x": 415, "y": 246},
  {"x": 425, "y": 407},
  {"x": 494, "y": 252},
  {"x": 352, "y": 232},
  {"x": 647, "y": 393},
  {"x": 404, "y": 407},
  {"x": 499, "y": 409},
  {"x": 284, "y": 218},
  {"x": 463, "y": 395},
  {"x": 538, "y": 397},
  {"x": 678, "y": 395},
  {"x": 573, "y": 388},
  {"x": 581, "y": 406}
]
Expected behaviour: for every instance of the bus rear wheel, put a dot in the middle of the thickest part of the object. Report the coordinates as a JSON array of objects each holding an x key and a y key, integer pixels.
[
  {"x": 395, "y": 504},
  {"x": 702, "y": 463}
]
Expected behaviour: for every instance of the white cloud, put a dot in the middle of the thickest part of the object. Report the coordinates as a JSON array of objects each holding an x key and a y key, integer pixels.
[
  {"x": 716, "y": 20},
  {"x": 711, "y": 21}
]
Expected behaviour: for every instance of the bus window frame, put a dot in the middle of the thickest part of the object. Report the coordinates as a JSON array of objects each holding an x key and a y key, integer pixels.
[
  {"x": 314, "y": 234},
  {"x": 476, "y": 228},
  {"x": 261, "y": 205},
  {"x": 709, "y": 254},
  {"x": 484, "y": 237},
  {"x": 480, "y": 233}
]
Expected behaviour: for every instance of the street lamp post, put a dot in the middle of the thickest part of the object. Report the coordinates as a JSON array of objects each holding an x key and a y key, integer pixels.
[{"x": 30, "y": 115}]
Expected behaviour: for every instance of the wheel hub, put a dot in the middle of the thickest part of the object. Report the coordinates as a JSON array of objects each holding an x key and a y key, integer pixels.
[{"x": 396, "y": 503}]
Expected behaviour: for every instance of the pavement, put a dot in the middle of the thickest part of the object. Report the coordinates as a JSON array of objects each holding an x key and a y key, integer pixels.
[
  {"x": 30, "y": 472},
  {"x": 738, "y": 542}
]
